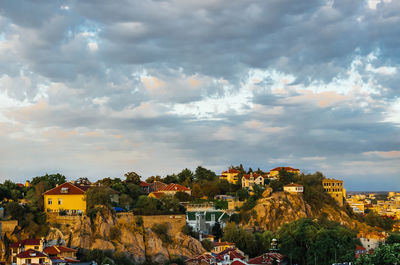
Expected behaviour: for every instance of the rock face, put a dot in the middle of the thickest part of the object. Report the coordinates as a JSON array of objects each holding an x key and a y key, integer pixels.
[
  {"x": 121, "y": 234},
  {"x": 276, "y": 209}
]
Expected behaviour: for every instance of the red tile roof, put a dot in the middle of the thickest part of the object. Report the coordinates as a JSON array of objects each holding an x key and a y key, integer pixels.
[
  {"x": 144, "y": 184},
  {"x": 266, "y": 259},
  {"x": 31, "y": 253},
  {"x": 69, "y": 189},
  {"x": 358, "y": 247},
  {"x": 55, "y": 250},
  {"x": 232, "y": 170},
  {"x": 26, "y": 242},
  {"x": 285, "y": 168},
  {"x": 173, "y": 187},
  {"x": 238, "y": 262},
  {"x": 247, "y": 176},
  {"x": 232, "y": 252},
  {"x": 20, "y": 185}
]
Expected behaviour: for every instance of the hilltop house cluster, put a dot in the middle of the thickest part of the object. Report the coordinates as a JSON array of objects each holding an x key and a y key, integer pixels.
[{"x": 38, "y": 251}]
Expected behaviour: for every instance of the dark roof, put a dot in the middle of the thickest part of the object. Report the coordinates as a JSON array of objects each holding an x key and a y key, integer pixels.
[
  {"x": 31, "y": 253},
  {"x": 66, "y": 188},
  {"x": 26, "y": 242}
]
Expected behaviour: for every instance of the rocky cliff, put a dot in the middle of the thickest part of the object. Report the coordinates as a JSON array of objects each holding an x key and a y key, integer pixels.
[
  {"x": 121, "y": 234},
  {"x": 276, "y": 209}
]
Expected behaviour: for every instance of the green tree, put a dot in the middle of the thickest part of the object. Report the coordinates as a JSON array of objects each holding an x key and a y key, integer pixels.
[
  {"x": 207, "y": 244},
  {"x": 202, "y": 173},
  {"x": 98, "y": 196},
  {"x": 132, "y": 177},
  {"x": 147, "y": 205},
  {"x": 182, "y": 196},
  {"x": 185, "y": 176},
  {"x": 383, "y": 255},
  {"x": 393, "y": 238}
]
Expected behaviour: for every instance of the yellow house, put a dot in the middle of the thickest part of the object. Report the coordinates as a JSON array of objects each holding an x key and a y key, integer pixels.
[
  {"x": 230, "y": 175},
  {"x": 273, "y": 173},
  {"x": 65, "y": 197}
]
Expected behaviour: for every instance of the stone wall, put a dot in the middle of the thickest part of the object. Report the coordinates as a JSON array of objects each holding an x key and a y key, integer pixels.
[
  {"x": 176, "y": 221},
  {"x": 8, "y": 226},
  {"x": 54, "y": 218}
]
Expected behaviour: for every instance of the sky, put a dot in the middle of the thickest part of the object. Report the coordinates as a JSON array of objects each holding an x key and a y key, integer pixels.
[{"x": 98, "y": 88}]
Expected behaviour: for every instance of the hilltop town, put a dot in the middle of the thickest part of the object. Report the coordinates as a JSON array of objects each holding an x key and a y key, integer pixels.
[{"x": 239, "y": 217}]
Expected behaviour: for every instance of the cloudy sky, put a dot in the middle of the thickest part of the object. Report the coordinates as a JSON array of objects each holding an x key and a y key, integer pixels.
[{"x": 97, "y": 88}]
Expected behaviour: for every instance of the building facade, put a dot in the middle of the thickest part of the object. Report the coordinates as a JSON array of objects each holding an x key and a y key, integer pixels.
[
  {"x": 293, "y": 188},
  {"x": 65, "y": 197},
  {"x": 230, "y": 175},
  {"x": 334, "y": 188}
]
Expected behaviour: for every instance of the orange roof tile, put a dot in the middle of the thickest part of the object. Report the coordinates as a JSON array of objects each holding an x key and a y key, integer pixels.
[{"x": 173, "y": 187}]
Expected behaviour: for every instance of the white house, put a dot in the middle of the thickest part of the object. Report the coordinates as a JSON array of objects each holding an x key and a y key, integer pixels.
[{"x": 293, "y": 188}]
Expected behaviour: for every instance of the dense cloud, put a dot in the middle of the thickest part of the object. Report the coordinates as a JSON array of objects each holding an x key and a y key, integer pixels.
[{"x": 94, "y": 88}]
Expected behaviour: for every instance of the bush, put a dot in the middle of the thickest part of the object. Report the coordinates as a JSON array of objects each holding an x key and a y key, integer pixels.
[
  {"x": 207, "y": 244},
  {"x": 115, "y": 233},
  {"x": 162, "y": 231}
]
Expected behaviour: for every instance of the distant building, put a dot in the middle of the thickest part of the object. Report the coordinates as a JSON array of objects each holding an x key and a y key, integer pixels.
[
  {"x": 204, "y": 221},
  {"x": 145, "y": 187},
  {"x": 249, "y": 180},
  {"x": 274, "y": 173},
  {"x": 23, "y": 246},
  {"x": 293, "y": 188},
  {"x": 230, "y": 175},
  {"x": 221, "y": 246},
  {"x": 32, "y": 256},
  {"x": 360, "y": 250},
  {"x": 371, "y": 241},
  {"x": 62, "y": 253},
  {"x": 66, "y": 197},
  {"x": 156, "y": 185},
  {"x": 335, "y": 188}
]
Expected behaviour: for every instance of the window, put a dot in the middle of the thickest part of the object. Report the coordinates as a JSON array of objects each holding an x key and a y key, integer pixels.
[
  {"x": 59, "y": 201},
  {"x": 64, "y": 190},
  {"x": 213, "y": 218},
  {"x": 28, "y": 261},
  {"x": 36, "y": 247},
  {"x": 49, "y": 201}
]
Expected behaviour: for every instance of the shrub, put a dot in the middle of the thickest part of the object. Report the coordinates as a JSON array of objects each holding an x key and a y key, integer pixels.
[
  {"x": 115, "y": 233},
  {"x": 162, "y": 231}
]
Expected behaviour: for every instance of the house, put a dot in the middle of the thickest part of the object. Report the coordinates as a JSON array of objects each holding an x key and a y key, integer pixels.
[
  {"x": 61, "y": 253},
  {"x": 204, "y": 221},
  {"x": 274, "y": 173},
  {"x": 221, "y": 246},
  {"x": 293, "y": 188},
  {"x": 335, "y": 189},
  {"x": 172, "y": 189},
  {"x": 269, "y": 259},
  {"x": 370, "y": 241},
  {"x": 360, "y": 250},
  {"x": 25, "y": 245},
  {"x": 145, "y": 187},
  {"x": 249, "y": 180},
  {"x": 230, "y": 175},
  {"x": 156, "y": 185},
  {"x": 65, "y": 197},
  {"x": 32, "y": 256}
]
